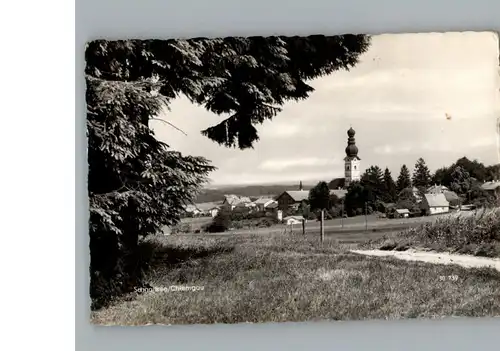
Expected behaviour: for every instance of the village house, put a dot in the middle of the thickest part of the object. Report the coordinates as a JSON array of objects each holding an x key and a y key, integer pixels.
[
  {"x": 209, "y": 208},
  {"x": 192, "y": 210},
  {"x": 291, "y": 220},
  {"x": 450, "y": 196},
  {"x": 434, "y": 204},
  {"x": 492, "y": 187},
  {"x": 263, "y": 203},
  {"x": 291, "y": 199},
  {"x": 231, "y": 201},
  {"x": 244, "y": 206},
  {"x": 401, "y": 213}
]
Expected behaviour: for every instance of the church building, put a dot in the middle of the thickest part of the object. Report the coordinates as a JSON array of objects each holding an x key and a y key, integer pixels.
[{"x": 352, "y": 164}]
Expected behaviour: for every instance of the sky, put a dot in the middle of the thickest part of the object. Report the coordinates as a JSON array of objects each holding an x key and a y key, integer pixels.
[{"x": 396, "y": 99}]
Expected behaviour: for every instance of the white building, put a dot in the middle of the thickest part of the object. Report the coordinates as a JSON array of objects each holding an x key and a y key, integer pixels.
[
  {"x": 291, "y": 220},
  {"x": 402, "y": 212},
  {"x": 435, "y": 204}
]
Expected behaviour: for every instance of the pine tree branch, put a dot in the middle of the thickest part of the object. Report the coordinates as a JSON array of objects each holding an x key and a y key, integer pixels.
[{"x": 170, "y": 124}]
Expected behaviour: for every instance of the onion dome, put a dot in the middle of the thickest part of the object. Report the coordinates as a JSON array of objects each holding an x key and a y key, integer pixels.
[{"x": 351, "y": 150}]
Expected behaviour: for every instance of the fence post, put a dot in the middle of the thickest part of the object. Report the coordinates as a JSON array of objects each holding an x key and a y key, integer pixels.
[
  {"x": 322, "y": 225},
  {"x": 366, "y": 218},
  {"x": 342, "y": 215},
  {"x": 304, "y": 226}
]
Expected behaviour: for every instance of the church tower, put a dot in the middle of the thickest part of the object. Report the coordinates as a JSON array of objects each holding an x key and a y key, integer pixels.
[{"x": 351, "y": 161}]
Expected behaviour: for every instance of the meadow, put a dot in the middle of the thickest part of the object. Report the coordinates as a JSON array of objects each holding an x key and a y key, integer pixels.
[{"x": 291, "y": 277}]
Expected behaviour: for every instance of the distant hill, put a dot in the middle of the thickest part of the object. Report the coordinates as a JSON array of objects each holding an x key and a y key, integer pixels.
[{"x": 252, "y": 191}]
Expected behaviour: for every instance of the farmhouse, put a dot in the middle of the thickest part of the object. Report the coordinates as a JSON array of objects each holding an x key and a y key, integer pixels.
[
  {"x": 292, "y": 199},
  {"x": 492, "y": 187},
  {"x": 291, "y": 220},
  {"x": 263, "y": 203},
  {"x": 209, "y": 208},
  {"x": 192, "y": 210},
  {"x": 435, "y": 204},
  {"x": 245, "y": 206},
  {"x": 402, "y": 213},
  {"x": 450, "y": 196},
  {"x": 231, "y": 201}
]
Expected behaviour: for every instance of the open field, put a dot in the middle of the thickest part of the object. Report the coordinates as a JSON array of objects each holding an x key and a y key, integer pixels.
[
  {"x": 353, "y": 229},
  {"x": 278, "y": 277}
]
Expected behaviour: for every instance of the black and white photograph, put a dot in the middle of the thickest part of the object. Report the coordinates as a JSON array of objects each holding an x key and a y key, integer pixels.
[{"x": 293, "y": 178}]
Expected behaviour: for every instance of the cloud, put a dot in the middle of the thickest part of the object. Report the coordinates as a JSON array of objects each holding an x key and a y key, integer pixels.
[
  {"x": 483, "y": 142},
  {"x": 282, "y": 164}
]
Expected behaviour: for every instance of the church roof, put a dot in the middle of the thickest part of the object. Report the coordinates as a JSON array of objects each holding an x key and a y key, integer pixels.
[
  {"x": 298, "y": 195},
  {"x": 351, "y": 150}
]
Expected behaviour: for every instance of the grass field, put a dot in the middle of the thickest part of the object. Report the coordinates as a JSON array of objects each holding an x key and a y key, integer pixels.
[
  {"x": 278, "y": 277},
  {"x": 356, "y": 224}
]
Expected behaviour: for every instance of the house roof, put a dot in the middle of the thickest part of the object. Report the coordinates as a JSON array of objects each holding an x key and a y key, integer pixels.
[
  {"x": 207, "y": 206},
  {"x": 436, "y": 200},
  {"x": 272, "y": 205},
  {"x": 402, "y": 211},
  {"x": 235, "y": 199},
  {"x": 298, "y": 195},
  {"x": 297, "y": 218},
  {"x": 436, "y": 189},
  {"x": 262, "y": 200},
  {"x": 338, "y": 193},
  {"x": 491, "y": 185}
]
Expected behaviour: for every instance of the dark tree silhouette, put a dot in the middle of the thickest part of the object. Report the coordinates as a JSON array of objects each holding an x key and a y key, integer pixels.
[
  {"x": 493, "y": 172},
  {"x": 355, "y": 199},
  {"x": 461, "y": 181},
  {"x": 137, "y": 184},
  {"x": 373, "y": 183},
  {"x": 404, "y": 180},
  {"x": 441, "y": 176},
  {"x": 421, "y": 176},
  {"x": 390, "y": 190},
  {"x": 319, "y": 197}
]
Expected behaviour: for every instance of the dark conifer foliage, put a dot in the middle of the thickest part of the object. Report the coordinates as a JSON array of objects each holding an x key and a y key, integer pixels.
[
  {"x": 137, "y": 184},
  {"x": 404, "y": 180}
]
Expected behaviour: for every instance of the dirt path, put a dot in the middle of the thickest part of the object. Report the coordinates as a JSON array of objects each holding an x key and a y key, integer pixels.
[{"x": 436, "y": 257}]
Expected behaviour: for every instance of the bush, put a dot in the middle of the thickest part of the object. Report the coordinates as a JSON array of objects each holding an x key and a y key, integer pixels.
[
  {"x": 220, "y": 223},
  {"x": 182, "y": 228},
  {"x": 476, "y": 233}
]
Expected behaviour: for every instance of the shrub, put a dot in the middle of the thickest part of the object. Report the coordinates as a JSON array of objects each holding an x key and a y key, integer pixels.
[
  {"x": 220, "y": 223},
  {"x": 476, "y": 233}
]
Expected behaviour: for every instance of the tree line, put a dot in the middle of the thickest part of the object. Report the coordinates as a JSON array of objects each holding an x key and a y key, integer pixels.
[{"x": 377, "y": 190}]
